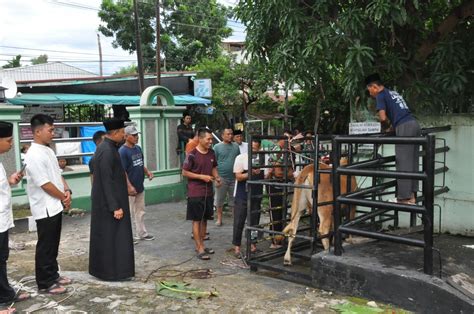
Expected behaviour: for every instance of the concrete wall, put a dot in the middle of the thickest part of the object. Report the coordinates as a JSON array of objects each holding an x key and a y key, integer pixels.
[
  {"x": 453, "y": 211},
  {"x": 457, "y": 206}
]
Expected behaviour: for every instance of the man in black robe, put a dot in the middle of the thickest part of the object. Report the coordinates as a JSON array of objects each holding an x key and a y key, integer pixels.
[{"x": 111, "y": 255}]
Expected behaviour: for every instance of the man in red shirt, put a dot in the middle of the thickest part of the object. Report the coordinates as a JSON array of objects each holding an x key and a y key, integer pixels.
[{"x": 200, "y": 167}]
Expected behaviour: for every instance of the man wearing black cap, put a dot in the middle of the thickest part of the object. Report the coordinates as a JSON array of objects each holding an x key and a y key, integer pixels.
[
  {"x": 392, "y": 108},
  {"x": 111, "y": 255},
  {"x": 7, "y": 294},
  {"x": 239, "y": 140}
]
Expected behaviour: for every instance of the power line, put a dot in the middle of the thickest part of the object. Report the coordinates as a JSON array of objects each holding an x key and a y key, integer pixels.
[
  {"x": 60, "y": 51},
  {"x": 76, "y": 5}
]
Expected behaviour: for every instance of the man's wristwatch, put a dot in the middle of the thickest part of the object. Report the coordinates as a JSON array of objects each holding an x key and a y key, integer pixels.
[{"x": 68, "y": 190}]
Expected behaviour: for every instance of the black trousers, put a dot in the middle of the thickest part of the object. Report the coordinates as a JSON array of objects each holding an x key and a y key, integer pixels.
[
  {"x": 46, "y": 264},
  {"x": 277, "y": 215},
  {"x": 6, "y": 291},
  {"x": 240, "y": 215}
]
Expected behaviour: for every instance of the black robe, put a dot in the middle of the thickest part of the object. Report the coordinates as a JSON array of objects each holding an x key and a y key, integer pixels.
[{"x": 111, "y": 255}]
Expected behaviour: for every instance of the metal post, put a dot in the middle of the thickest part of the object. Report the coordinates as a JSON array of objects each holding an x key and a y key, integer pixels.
[
  {"x": 287, "y": 165},
  {"x": 336, "y": 189},
  {"x": 374, "y": 183},
  {"x": 349, "y": 178},
  {"x": 428, "y": 192},
  {"x": 249, "y": 198},
  {"x": 314, "y": 211}
]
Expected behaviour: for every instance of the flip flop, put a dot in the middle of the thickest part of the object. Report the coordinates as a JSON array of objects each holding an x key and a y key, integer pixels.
[
  {"x": 21, "y": 297},
  {"x": 203, "y": 256},
  {"x": 64, "y": 281},
  {"x": 209, "y": 251},
  {"x": 55, "y": 289},
  {"x": 18, "y": 298}
]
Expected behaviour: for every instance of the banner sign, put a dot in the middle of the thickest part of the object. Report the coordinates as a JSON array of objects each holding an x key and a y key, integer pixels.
[
  {"x": 203, "y": 88},
  {"x": 364, "y": 127}
]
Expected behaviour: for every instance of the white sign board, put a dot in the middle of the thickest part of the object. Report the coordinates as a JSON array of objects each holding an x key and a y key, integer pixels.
[
  {"x": 203, "y": 88},
  {"x": 364, "y": 127}
]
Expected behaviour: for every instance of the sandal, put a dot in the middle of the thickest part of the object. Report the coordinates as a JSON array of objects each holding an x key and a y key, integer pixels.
[
  {"x": 54, "y": 289},
  {"x": 64, "y": 281},
  {"x": 203, "y": 256},
  {"x": 21, "y": 297},
  {"x": 17, "y": 298},
  {"x": 205, "y": 238},
  {"x": 209, "y": 251}
]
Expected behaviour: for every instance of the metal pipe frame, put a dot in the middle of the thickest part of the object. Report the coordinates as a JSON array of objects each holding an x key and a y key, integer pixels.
[
  {"x": 379, "y": 207},
  {"x": 381, "y": 204},
  {"x": 378, "y": 140},
  {"x": 382, "y": 173}
]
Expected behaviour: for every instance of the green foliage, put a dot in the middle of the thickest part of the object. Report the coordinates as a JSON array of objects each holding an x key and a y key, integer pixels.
[
  {"x": 328, "y": 47},
  {"x": 191, "y": 30},
  {"x": 182, "y": 290},
  {"x": 235, "y": 87},
  {"x": 131, "y": 69},
  {"x": 40, "y": 59},
  {"x": 13, "y": 63}
]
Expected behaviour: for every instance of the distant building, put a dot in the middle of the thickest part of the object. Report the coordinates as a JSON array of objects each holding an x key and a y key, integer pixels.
[
  {"x": 236, "y": 48},
  {"x": 45, "y": 71}
]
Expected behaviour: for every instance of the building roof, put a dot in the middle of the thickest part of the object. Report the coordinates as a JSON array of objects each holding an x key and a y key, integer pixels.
[{"x": 45, "y": 71}]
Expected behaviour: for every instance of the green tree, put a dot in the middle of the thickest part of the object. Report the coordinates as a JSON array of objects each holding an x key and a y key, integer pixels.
[
  {"x": 13, "y": 63},
  {"x": 422, "y": 48},
  {"x": 235, "y": 87},
  {"x": 190, "y": 29},
  {"x": 40, "y": 59},
  {"x": 131, "y": 69}
]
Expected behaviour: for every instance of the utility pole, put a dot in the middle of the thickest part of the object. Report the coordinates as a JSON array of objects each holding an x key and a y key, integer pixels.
[
  {"x": 138, "y": 42},
  {"x": 286, "y": 108},
  {"x": 100, "y": 55},
  {"x": 158, "y": 45}
]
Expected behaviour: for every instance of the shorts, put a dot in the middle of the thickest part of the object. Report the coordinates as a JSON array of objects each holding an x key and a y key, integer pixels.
[
  {"x": 225, "y": 189},
  {"x": 200, "y": 208}
]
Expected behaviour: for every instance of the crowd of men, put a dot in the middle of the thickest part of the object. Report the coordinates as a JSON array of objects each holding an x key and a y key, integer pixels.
[
  {"x": 117, "y": 176},
  {"x": 214, "y": 174}
]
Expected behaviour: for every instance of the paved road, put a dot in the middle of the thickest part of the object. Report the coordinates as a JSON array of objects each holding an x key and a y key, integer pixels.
[{"x": 239, "y": 289}]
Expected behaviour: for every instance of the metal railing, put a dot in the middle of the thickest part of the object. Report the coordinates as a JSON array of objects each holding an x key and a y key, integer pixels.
[
  {"x": 367, "y": 196},
  {"x": 68, "y": 139}
]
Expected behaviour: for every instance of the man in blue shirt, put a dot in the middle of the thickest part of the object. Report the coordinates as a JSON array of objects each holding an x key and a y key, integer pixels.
[
  {"x": 132, "y": 161},
  {"x": 392, "y": 108}
]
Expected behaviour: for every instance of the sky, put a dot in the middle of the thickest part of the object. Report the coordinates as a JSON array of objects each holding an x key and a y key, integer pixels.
[{"x": 66, "y": 30}]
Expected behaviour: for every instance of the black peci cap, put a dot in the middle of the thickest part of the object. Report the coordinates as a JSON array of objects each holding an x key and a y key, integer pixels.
[
  {"x": 238, "y": 132},
  {"x": 375, "y": 77},
  {"x": 114, "y": 124},
  {"x": 6, "y": 129}
]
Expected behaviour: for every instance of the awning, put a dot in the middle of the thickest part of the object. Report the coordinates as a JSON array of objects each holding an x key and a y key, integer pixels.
[{"x": 85, "y": 99}]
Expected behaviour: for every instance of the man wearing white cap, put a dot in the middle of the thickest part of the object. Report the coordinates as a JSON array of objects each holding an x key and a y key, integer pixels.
[{"x": 132, "y": 161}]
